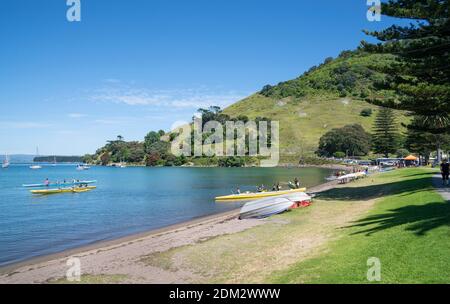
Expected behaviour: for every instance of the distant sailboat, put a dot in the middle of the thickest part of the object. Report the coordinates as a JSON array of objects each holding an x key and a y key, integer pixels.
[
  {"x": 36, "y": 167},
  {"x": 5, "y": 162},
  {"x": 122, "y": 164},
  {"x": 54, "y": 161},
  {"x": 83, "y": 167}
]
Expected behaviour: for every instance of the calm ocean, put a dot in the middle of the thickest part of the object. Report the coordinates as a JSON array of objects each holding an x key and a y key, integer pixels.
[{"x": 127, "y": 201}]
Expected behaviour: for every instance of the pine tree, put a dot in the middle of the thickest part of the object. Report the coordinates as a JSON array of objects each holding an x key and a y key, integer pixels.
[
  {"x": 422, "y": 142},
  {"x": 421, "y": 75},
  {"x": 385, "y": 136}
]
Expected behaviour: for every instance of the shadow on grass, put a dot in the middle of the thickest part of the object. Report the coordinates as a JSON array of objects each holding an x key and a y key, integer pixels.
[
  {"x": 420, "y": 219},
  {"x": 423, "y": 174},
  {"x": 405, "y": 187}
]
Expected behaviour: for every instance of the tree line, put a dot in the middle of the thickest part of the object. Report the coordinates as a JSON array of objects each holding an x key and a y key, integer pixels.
[
  {"x": 154, "y": 150},
  {"x": 58, "y": 159},
  {"x": 385, "y": 140}
]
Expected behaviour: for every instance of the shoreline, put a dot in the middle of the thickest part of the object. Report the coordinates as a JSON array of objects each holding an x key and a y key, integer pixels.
[
  {"x": 125, "y": 239},
  {"x": 212, "y": 221}
]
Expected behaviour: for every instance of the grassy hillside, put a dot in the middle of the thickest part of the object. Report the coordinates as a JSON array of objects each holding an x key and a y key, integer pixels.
[{"x": 328, "y": 96}]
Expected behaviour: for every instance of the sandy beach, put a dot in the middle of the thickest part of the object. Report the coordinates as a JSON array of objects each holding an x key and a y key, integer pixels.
[{"x": 125, "y": 255}]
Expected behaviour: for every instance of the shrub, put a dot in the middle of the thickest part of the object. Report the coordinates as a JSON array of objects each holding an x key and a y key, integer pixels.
[
  {"x": 351, "y": 138},
  {"x": 367, "y": 112},
  {"x": 339, "y": 154}
]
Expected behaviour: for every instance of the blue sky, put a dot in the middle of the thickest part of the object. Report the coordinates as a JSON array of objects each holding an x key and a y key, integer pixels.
[{"x": 133, "y": 66}]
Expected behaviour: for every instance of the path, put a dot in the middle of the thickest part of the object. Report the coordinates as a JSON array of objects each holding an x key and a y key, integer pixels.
[{"x": 442, "y": 190}]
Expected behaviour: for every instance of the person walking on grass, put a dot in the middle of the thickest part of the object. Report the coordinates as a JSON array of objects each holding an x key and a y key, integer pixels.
[{"x": 445, "y": 171}]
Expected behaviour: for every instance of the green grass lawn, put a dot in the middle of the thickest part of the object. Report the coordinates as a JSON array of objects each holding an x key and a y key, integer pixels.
[{"x": 408, "y": 230}]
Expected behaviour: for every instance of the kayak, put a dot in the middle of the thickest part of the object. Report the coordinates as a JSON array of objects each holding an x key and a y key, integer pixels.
[
  {"x": 256, "y": 195},
  {"x": 59, "y": 184},
  {"x": 63, "y": 190},
  {"x": 352, "y": 176}
]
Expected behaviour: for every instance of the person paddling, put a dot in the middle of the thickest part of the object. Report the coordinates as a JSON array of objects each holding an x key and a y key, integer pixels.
[
  {"x": 445, "y": 171},
  {"x": 46, "y": 182}
]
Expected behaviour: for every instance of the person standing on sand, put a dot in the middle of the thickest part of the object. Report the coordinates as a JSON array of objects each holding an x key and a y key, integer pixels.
[{"x": 445, "y": 171}]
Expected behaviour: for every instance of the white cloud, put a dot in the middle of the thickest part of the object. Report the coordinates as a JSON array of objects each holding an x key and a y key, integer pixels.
[
  {"x": 77, "y": 115},
  {"x": 111, "y": 80},
  {"x": 175, "y": 98},
  {"x": 66, "y": 132},
  {"x": 23, "y": 125},
  {"x": 114, "y": 120}
]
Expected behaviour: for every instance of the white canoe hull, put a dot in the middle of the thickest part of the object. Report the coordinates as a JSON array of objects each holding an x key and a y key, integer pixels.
[{"x": 265, "y": 207}]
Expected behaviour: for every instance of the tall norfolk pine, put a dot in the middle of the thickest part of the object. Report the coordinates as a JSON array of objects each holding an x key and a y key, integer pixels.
[
  {"x": 420, "y": 76},
  {"x": 386, "y": 137}
]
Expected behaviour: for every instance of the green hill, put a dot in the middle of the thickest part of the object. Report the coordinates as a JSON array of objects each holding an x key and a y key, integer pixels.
[{"x": 325, "y": 97}]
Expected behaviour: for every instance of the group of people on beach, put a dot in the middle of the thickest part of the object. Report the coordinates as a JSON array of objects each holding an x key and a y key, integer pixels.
[{"x": 275, "y": 187}]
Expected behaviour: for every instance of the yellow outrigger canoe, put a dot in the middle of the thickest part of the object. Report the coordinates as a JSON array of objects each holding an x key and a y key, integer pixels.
[
  {"x": 256, "y": 195},
  {"x": 64, "y": 190}
]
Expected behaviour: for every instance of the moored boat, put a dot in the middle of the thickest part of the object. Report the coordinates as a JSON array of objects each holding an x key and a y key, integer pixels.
[
  {"x": 83, "y": 167},
  {"x": 256, "y": 195},
  {"x": 5, "y": 163},
  {"x": 36, "y": 167}
]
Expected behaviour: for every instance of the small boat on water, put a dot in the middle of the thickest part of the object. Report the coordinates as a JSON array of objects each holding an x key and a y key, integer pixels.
[
  {"x": 36, "y": 167},
  {"x": 62, "y": 184},
  {"x": 83, "y": 167},
  {"x": 5, "y": 163},
  {"x": 256, "y": 195},
  {"x": 63, "y": 190}
]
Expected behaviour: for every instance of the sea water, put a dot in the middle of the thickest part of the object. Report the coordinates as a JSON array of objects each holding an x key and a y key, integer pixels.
[{"x": 127, "y": 201}]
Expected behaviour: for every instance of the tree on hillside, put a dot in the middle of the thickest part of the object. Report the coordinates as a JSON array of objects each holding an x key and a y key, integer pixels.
[
  {"x": 105, "y": 158},
  {"x": 134, "y": 152},
  {"x": 152, "y": 159},
  {"x": 151, "y": 138},
  {"x": 422, "y": 142},
  {"x": 367, "y": 112},
  {"x": 386, "y": 136},
  {"x": 420, "y": 76},
  {"x": 350, "y": 140}
]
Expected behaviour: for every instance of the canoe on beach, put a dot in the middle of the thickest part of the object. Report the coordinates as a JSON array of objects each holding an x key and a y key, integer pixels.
[
  {"x": 63, "y": 190},
  {"x": 60, "y": 184},
  {"x": 256, "y": 195},
  {"x": 268, "y": 206},
  {"x": 265, "y": 207}
]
